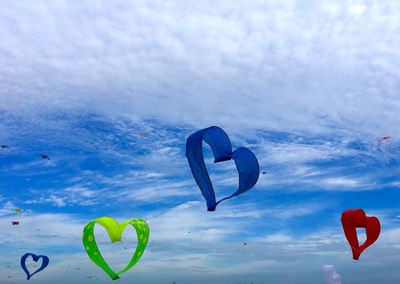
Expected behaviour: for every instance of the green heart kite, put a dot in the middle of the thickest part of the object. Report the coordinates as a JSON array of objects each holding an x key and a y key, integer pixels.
[{"x": 114, "y": 231}]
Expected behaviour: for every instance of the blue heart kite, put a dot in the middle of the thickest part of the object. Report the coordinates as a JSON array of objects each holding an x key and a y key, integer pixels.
[
  {"x": 246, "y": 162},
  {"x": 35, "y": 257}
]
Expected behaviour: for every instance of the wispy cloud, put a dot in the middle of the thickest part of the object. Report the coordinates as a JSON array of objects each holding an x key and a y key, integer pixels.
[
  {"x": 111, "y": 91},
  {"x": 7, "y": 208},
  {"x": 275, "y": 72}
]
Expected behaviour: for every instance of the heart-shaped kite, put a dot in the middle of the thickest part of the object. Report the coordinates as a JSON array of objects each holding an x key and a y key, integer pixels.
[
  {"x": 45, "y": 262},
  {"x": 356, "y": 218},
  {"x": 115, "y": 232},
  {"x": 246, "y": 162}
]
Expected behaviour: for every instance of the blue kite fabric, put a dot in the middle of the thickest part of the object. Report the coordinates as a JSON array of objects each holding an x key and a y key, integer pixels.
[
  {"x": 45, "y": 262},
  {"x": 246, "y": 162}
]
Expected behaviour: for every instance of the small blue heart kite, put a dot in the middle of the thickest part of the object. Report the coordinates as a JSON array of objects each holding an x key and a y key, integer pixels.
[
  {"x": 246, "y": 162},
  {"x": 35, "y": 257}
]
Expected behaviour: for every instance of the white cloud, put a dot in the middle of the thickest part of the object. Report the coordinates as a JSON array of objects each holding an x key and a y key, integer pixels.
[
  {"x": 342, "y": 181},
  {"x": 278, "y": 238},
  {"x": 7, "y": 208},
  {"x": 52, "y": 199},
  {"x": 288, "y": 211},
  {"x": 156, "y": 193},
  {"x": 314, "y": 69},
  {"x": 56, "y": 229}
]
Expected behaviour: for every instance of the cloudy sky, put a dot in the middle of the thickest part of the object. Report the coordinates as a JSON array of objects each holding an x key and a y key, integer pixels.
[{"x": 110, "y": 90}]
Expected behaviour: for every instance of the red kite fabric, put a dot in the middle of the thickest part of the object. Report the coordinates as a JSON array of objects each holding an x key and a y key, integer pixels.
[{"x": 356, "y": 218}]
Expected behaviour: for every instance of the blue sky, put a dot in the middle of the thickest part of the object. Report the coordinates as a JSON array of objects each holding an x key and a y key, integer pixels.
[{"x": 308, "y": 86}]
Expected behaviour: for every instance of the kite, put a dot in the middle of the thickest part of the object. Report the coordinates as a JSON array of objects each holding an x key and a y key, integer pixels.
[
  {"x": 15, "y": 222},
  {"x": 356, "y": 218},
  {"x": 4, "y": 146},
  {"x": 115, "y": 231},
  {"x": 383, "y": 138},
  {"x": 17, "y": 210},
  {"x": 45, "y": 262},
  {"x": 246, "y": 162},
  {"x": 331, "y": 277},
  {"x": 45, "y": 157}
]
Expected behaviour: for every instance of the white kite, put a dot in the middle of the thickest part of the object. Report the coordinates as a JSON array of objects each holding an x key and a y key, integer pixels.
[{"x": 331, "y": 277}]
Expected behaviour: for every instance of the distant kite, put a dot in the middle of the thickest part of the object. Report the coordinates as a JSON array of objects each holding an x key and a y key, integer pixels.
[
  {"x": 331, "y": 277},
  {"x": 17, "y": 210},
  {"x": 15, "y": 223},
  {"x": 4, "y": 146},
  {"x": 383, "y": 138},
  {"x": 45, "y": 262},
  {"x": 45, "y": 157},
  {"x": 356, "y": 218},
  {"x": 246, "y": 162}
]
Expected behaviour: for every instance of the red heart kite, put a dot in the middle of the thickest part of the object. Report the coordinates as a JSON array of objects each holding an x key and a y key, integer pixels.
[{"x": 356, "y": 218}]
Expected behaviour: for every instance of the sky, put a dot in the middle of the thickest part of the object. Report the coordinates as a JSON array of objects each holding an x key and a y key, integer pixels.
[{"x": 111, "y": 90}]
